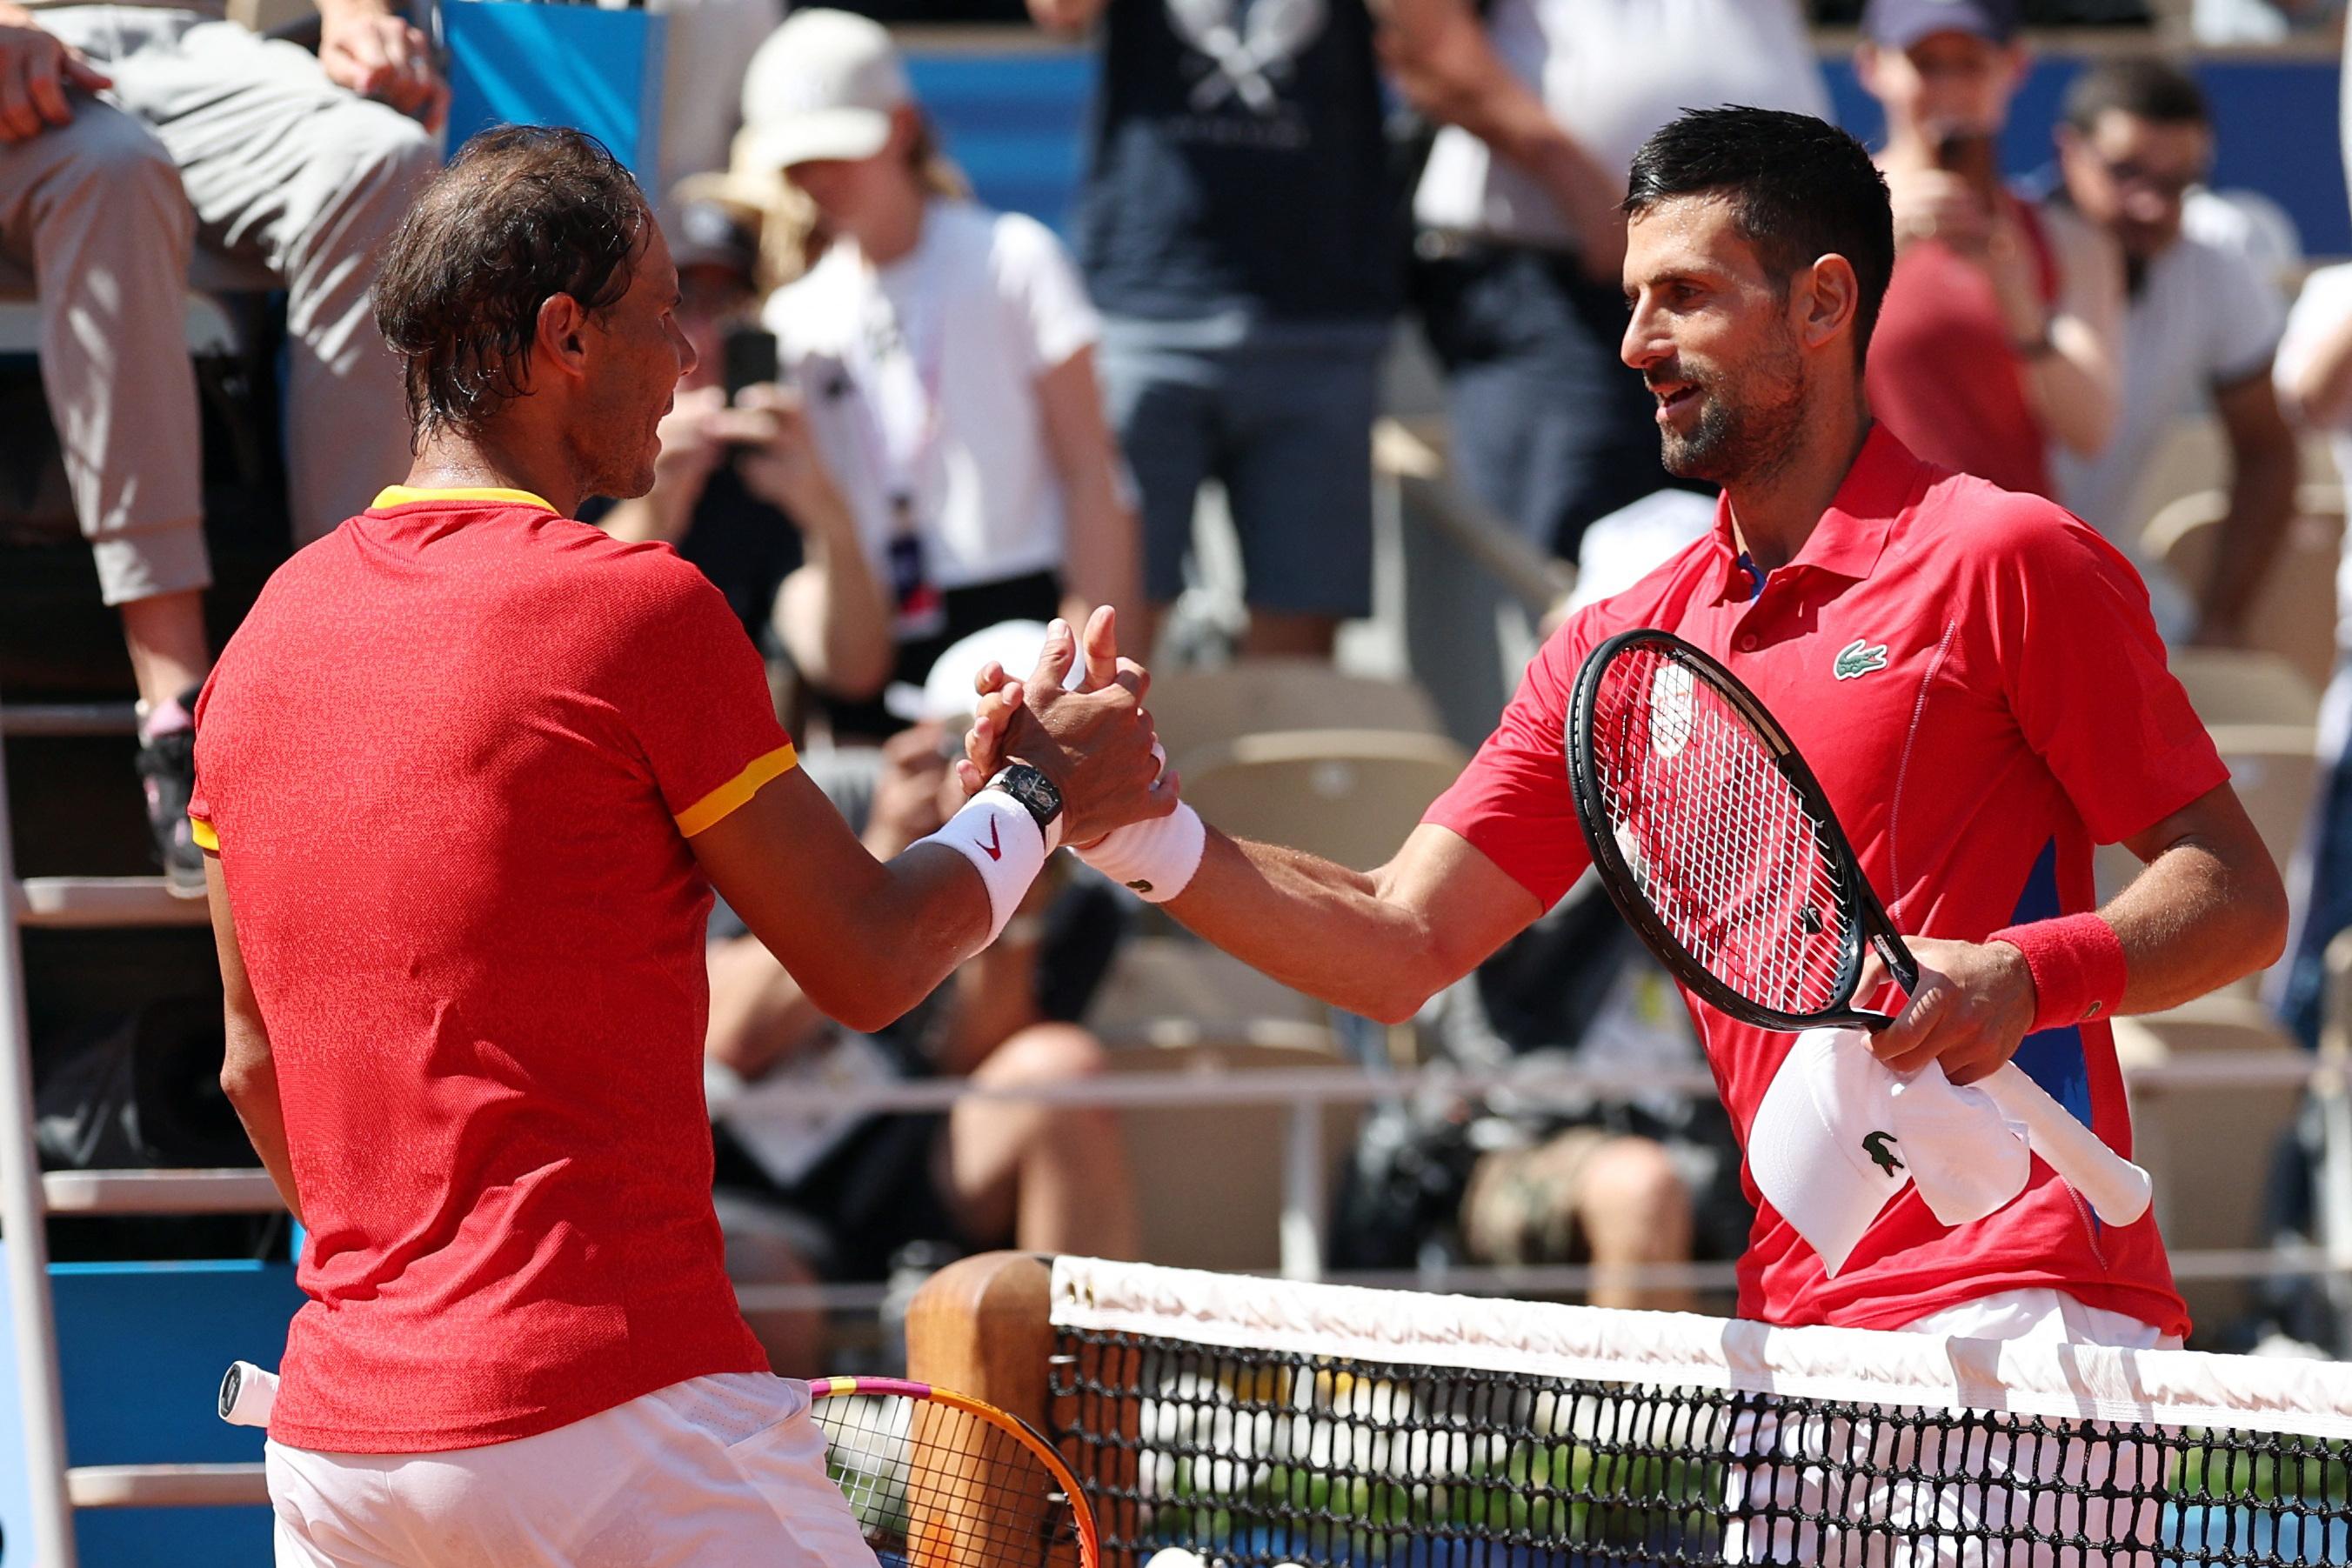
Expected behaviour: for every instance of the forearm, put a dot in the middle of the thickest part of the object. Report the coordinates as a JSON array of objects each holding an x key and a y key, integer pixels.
[
  {"x": 249, "y": 1079},
  {"x": 2262, "y": 504},
  {"x": 833, "y": 616},
  {"x": 1104, "y": 554},
  {"x": 2072, "y": 388},
  {"x": 2320, "y": 387},
  {"x": 1339, "y": 935},
  {"x": 2192, "y": 922}
]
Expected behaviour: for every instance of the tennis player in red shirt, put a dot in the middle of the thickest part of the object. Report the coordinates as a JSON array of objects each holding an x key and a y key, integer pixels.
[
  {"x": 1972, "y": 674},
  {"x": 469, "y": 772}
]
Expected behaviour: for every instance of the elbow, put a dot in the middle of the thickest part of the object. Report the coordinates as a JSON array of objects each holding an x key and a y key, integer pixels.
[
  {"x": 245, "y": 1078},
  {"x": 2267, "y": 917},
  {"x": 1398, "y": 992}
]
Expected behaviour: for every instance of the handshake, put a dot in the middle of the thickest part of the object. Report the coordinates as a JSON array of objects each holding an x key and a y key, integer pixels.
[{"x": 1078, "y": 718}]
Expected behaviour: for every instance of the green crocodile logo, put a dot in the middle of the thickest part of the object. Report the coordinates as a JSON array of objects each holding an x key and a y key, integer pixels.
[
  {"x": 1857, "y": 659},
  {"x": 1875, "y": 1147}
]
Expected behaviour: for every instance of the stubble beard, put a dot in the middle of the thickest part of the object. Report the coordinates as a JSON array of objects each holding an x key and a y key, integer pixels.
[{"x": 1741, "y": 444}]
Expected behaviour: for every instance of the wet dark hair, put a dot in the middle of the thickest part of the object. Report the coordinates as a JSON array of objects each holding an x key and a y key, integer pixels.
[
  {"x": 1799, "y": 189},
  {"x": 522, "y": 213},
  {"x": 2143, "y": 89}
]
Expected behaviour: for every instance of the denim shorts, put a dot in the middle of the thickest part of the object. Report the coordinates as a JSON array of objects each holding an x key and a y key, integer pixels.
[{"x": 1282, "y": 417}]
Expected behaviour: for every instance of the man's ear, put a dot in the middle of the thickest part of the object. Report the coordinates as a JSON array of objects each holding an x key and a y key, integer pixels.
[
  {"x": 560, "y": 344},
  {"x": 1825, "y": 301}
]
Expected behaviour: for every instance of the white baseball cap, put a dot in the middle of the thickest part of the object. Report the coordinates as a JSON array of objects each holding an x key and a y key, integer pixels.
[
  {"x": 821, "y": 86},
  {"x": 1839, "y": 1135},
  {"x": 947, "y": 693}
]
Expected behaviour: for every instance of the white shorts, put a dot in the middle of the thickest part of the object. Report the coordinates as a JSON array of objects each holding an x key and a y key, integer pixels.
[
  {"x": 721, "y": 1469},
  {"x": 1927, "y": 1497}
]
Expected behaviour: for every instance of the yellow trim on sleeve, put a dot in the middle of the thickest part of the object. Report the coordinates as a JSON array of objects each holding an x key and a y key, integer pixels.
[
  {"x": 406, "y": 495},
  {"x": 206, "y": 837},
  {"x": 720, "y": 803}
]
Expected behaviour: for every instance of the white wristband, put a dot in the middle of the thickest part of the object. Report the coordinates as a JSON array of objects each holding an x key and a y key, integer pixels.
[
  {"x": 1002, "y": 840},
  {"x": 1157, "y": 858}
]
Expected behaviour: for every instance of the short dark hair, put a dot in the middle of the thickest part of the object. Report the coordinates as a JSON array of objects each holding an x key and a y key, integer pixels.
[
  {"x": 1799, "y": 189},
  {"x": 2144, "y": 89},
  {"x": 522, "y": 213}
]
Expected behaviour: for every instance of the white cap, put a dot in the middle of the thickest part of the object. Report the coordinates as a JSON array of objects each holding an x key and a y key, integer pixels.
[
  {"x": 1839, "y": 1135},
  {"x": 947, "y": 693},
  {"x": 822, "y": 86}
]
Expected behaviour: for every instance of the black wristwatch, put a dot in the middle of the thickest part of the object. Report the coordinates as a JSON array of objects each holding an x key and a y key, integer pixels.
[{"x": 1037, "y": 794}]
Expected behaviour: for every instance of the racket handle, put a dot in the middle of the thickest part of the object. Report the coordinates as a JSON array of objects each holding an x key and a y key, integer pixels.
[
  {"x": 2117, "y": 1189},
  {"x": 246, "y": 1394}
]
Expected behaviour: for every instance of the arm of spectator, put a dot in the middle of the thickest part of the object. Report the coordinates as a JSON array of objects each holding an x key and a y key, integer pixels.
[
  {"x": 691, "y": 446},
  {"x": 2073, "y": 376},
  {"x": 1104, "y": 559},
  {"x": 369, "y": 48},
  {"x": 1066, "y": 18},
  {"x": 2316, "y": 381},
  {"x": 37, "y": 72},
  {"x": 2264, "y": 472},
  {"x": 1438, "y": 52},
  {"x": 759, "y": 1014},
  {"x": 249, "y": 1070},
  {"x": 831, "y": 614}
]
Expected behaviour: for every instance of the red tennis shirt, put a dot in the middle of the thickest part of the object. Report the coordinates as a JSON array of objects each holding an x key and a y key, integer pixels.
[
  {"x": 1975, "y": 678},
  {"x": 451, "y": 762}
]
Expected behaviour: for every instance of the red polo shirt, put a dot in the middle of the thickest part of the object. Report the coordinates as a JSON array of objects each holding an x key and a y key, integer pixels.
[
  {"x": 451, "y": 763},
  {"x": 1975, "y": 677}
]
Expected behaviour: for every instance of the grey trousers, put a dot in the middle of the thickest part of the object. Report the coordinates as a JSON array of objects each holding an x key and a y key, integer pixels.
[{"x": 211, "y": 135}]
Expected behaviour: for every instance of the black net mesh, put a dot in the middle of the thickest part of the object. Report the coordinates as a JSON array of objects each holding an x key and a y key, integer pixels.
[{"x": 1260, "y": 1458}]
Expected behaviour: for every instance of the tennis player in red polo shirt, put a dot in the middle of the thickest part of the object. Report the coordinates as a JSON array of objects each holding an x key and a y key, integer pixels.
[
  {"x": 469, "y": 772},
  {"x": 1972, "y": 674}
]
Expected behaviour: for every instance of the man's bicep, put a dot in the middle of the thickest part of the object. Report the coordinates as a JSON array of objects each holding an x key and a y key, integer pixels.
[{"x": 1469, "y": 904}]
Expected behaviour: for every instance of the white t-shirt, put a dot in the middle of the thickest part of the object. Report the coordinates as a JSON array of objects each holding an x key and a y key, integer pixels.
[
  {"x": 921, "y": 381},
  {"x": 2320, "y": 311},
  {"x": 1612, "y": 72},
  {"x": 2203, "y": 318}
]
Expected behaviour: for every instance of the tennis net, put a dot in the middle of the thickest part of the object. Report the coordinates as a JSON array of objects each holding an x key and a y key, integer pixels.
[{"x": 1257, "y": 1422}]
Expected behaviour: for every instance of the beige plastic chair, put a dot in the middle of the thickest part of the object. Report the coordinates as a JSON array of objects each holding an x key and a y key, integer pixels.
[
  {"x": 2208, "y": 1146},
  {"x": 1350, "y": 796},
  {"x": 1199, "y": 709},
  {"x": 2232, "y": 685},
  {"x": 1177, "y": 991},
  {"x": 2295, "y": 612},
  {"x": 2275, "y": 771},
  {"x": 1209, "y": 1179}
]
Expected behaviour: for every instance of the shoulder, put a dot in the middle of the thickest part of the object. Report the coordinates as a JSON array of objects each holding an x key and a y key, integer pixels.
[
  {"x": 1991, "y": 536},
  {"x": 1018, "y": 246},
  {"x": 811, "y": 306}
]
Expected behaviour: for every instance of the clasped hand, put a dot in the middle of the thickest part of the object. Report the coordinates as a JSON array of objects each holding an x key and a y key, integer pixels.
[{"x": 1096, "y": 741}]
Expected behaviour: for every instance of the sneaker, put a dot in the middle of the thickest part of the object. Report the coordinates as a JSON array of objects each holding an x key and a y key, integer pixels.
[{"x": 167, "y": 766}]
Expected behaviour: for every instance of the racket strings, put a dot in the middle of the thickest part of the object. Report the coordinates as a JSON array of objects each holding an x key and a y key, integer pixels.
[
  {"x": 1720, "y": 842},
  {"x": 937, "y": 1487}
]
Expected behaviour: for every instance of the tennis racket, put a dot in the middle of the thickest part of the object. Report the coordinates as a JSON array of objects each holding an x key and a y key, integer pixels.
[
  {"x": 1720, "y": 847},
  {"x": 937, "y": 1479}
]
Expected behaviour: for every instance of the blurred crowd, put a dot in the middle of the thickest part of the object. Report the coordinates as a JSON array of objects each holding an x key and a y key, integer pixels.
[{"x": 919, "y": 427}]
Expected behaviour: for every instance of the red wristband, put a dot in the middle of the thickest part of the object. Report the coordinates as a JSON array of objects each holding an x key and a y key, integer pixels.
[{"x": 2077, "y": 965}]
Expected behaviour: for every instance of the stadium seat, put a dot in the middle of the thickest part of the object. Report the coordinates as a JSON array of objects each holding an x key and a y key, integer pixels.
[
  {"x": 1201, "y": 708},
  {"x": 1348, "y": 794},
  {"x": 2295, "y": 615},
  {"x": 1167, "y": 991},
  {"x": 2275, "y": 770},
  {"x": 2207, "y": 1147},
  {"x": 1209, "y": 1179},
  {"x": 2232, "y": 685}
]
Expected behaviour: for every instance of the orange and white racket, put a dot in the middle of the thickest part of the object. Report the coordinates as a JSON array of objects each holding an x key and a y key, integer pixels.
[{"x": 941, "y": 1479}]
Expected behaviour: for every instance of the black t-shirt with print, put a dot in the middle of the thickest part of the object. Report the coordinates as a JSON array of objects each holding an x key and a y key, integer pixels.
[{"x": 1239, "y": 163}]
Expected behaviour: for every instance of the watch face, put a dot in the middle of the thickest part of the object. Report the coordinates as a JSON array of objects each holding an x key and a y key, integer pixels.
[{"x": 1032, "y": 790}]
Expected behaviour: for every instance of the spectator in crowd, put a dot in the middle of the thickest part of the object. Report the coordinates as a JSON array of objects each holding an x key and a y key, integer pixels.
[
  {"x": 205, "y": 134},
  {"x": 839, "y": 1195},
  {"x": 1542, "y": 103},
  {"x": 2314, "y": 379},
  {"x": 1998, "y": 335},
  {"x": 2202, "y": 322},
  {"x": 946, "y": 352},
  {"x": 2258, "y": 21},
  {"x": 739, "y": 489},
  {"x": 1235, "y": 230}
]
